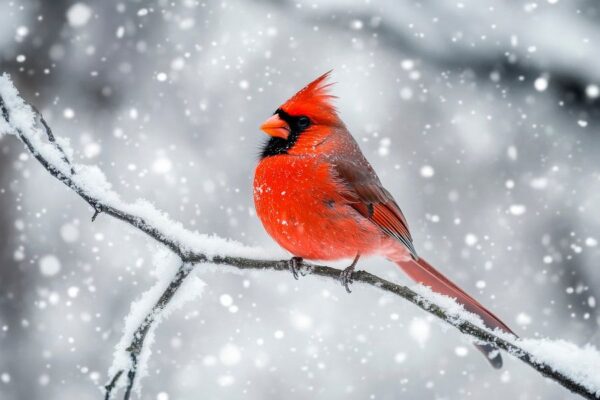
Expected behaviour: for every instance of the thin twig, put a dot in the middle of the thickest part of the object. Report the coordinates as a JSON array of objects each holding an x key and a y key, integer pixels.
[
  {"x": 111, "y": 385},
  {"x": 137, "y": 343},
  {"x": 191, "y": 258},
  {"x": 52, "y": 139}
]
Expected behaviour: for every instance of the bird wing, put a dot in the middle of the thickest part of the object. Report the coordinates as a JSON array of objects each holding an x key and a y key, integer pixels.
[{"x": 366, "y": 195}]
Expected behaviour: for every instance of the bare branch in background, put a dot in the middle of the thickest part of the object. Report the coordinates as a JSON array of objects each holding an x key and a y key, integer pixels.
[{"x": 56, "y": 161}]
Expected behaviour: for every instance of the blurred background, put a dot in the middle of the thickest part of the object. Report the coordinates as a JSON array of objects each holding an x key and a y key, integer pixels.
[{"x": 481, "y": 117}]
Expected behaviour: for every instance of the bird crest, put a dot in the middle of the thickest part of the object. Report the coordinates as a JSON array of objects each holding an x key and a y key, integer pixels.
[{"x": 314, "y": 101}]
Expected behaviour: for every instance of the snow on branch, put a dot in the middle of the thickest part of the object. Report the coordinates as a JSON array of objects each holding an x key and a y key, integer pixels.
[{"x": 575, "y": 368}]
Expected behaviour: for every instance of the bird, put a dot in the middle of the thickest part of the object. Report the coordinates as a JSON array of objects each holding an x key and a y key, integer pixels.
[{"x": 319, "y": 198}]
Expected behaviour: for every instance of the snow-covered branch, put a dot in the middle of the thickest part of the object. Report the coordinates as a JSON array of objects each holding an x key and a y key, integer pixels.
[{"x": 573, "y": 367}]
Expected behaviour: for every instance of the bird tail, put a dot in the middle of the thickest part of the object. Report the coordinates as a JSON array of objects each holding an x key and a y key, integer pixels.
[{"x": 422, "y": 272}]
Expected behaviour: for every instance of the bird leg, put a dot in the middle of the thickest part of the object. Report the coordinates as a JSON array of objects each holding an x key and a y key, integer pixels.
[
  {"x": 294, "y": 265},
  {"x": 346, "y": 275}
]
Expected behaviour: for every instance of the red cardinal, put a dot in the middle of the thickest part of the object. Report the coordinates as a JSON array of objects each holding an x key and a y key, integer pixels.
[{"x": 319, "y": 198}]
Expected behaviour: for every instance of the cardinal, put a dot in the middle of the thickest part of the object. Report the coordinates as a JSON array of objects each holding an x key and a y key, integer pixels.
[{"x": 319, "y": 198}]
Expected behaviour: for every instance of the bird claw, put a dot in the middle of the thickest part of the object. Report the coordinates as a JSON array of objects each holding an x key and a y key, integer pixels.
[
  {"x": 346, "y": 278},
  {"x": 294, "y": 265},
  {"x": 346, "y": 274}
]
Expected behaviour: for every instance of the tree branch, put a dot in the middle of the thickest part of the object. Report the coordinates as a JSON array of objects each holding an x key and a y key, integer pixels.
[
  {"x": 137, "y": 343},
  {"x": 67, "y": 173}
]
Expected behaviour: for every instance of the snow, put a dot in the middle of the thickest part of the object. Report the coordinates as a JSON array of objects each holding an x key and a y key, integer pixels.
[
  {"x": 577, "y": 362},
  {"x": 49, "y": 265},
  {"x": 92, "y": 150},
  {"x": 523, "y": 319},
  {"x": 427, "y": 171},
  {"x": 581, "y": 364},
  {"x": 226, "y": 300},
  {"x": 162, "y": 165},
  {"x": 400, "y": 358},
  {"x": 166, "y": 265},
  {"x": 162, "y": 396},
  {"x": 21, "y": 115},
  {"x": 592, "y": 91},
  {"x": 517, "y": 209},
  {"x": 73, "y": 291},
  {"x": 22, "y": 31},
  {"x": 541, "y": 83},
  {"x": 225, "y": 380},
  {"x": 68, "y": 113},
  {"x": 420, "y": 330},
  {"x": 301, "y": 321},
  {"x": 471, "y": 239},
  {"x": 461, "y": 351},
  {"x": 69, "y": 233},
  {"x": 79, "y": 14},
  {"x": 93, "y": 182},
  {"x": 230, "y": 354}
]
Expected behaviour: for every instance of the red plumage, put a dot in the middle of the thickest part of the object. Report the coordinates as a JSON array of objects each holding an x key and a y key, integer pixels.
[{"x": 319, "y": 198}]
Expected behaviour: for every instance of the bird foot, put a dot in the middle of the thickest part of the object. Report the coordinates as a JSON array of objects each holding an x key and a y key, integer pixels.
[
  {"x": 346, "y": 278},
  {"x": 294, "y": 265},
  {"x": 346, "y": 274}
]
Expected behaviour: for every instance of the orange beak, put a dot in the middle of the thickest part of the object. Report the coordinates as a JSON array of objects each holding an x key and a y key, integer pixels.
[{"x": 276, "y": 127}]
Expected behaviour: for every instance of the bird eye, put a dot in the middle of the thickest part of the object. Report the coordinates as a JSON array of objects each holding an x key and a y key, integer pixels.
[{"x": 303, "y": 122}]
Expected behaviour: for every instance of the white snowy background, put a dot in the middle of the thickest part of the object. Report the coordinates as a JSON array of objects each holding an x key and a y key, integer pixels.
[{"x": 481, "y": 117}]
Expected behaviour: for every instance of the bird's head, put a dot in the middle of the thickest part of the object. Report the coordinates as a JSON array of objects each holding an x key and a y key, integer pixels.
[{"x": 310, "y": 111}]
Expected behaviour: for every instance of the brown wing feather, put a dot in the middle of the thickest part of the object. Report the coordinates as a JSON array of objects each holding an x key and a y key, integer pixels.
[{"x": 367, "y": 196}]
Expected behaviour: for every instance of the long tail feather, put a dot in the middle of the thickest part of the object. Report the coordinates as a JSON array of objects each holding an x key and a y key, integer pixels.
[{"x": 422, "y": 272}]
